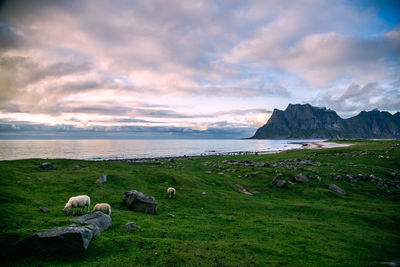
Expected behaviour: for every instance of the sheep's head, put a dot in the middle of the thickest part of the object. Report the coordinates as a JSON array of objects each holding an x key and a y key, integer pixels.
[{"x": 67, "y": 208}]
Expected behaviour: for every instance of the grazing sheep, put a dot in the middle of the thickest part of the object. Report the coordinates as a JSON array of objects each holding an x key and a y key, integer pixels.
[
  {"x": 77, "y": 202},
  {"x": 171, "y": 192},
  {"x": 103, "y": 207},
  {"x": 380, "y": 156}
]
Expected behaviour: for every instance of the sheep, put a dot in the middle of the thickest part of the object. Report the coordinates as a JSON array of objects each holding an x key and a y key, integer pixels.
[
  {"x": 380, "y": 156},
  {"x": 77, "y": 202},
  {"x": 171, "y": 192},
  {"x": 103, "y": 207}
]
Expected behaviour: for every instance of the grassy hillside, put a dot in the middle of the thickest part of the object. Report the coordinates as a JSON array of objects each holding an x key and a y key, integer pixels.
[{"x": 302, "y": 224}]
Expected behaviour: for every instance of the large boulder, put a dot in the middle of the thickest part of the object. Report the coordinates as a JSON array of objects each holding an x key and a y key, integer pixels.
[
  {"x": 337, "y": 189},
  {"x": 140, "y": 202},
  {"x": 72, "y": 238},
  {"x": 98, "y": 219}
]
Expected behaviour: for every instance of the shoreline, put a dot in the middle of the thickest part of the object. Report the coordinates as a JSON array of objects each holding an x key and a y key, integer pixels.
[
  {"x": 304, "y": 145},
  {"x": 301, "y": 145}
]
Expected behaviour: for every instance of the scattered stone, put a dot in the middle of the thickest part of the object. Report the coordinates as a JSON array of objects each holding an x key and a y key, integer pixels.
[
  {"x": 97, "y": 218},
  {"x": 72, "y": 239},
  {"x": 208, "y": 172},
  {"x": 203, "y": 193},
  {"x": 47, "y": 166},
  {"x": 140, "y": 202},
  {"x": 44, "y": 210},
  {"x": 256, "y": 192},
  {"x": 242, "y": 189},
  {"x": 79, "y": 166},
  {"x": 337, "y": 189},
  {"x": 131, "y": 225},
  {"x": 102, "y": 179},
  {"x": 171, "y": 215},
  {"x": 300, "y": 178},
  {"x": 172, "y": 160},
  {"x": 277, "y": 181}
]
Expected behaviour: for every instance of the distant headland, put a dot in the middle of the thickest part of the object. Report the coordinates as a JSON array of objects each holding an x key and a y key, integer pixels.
[{"x": 308, "y": 122}]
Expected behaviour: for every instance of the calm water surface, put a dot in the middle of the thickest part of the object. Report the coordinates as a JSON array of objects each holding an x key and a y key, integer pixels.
[{"x": 120, "y": 149}]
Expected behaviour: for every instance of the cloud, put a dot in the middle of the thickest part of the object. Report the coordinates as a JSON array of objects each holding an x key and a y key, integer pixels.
[
  {"x": 355, "y": 98},
  {"x": 41, "y": 131}
]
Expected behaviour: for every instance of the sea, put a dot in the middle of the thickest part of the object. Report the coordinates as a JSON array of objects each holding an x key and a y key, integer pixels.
[{"x": 137, "y": 149}]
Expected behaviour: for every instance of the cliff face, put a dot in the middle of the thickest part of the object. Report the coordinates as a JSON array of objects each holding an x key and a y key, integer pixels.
[{"x": 308, "y": 122}]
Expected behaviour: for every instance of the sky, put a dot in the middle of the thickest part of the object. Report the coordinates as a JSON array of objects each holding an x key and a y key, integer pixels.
[{"x": 190, "y": 69}]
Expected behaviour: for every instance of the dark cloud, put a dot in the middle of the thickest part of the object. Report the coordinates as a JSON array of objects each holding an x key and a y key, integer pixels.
[
  {"x": 8, "y": 37},
  {"x": 41, "y": 131}
]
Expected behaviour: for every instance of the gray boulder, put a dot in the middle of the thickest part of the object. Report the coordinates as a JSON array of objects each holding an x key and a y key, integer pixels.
[
  {"x": 102, "y": 179},
  {"x": 131, "y": 225},
  {"x": 98, "y": 219},
  {"x": 337, "y": 189},
  {"x": 72, "y": 239},
  {"x": 47, "y": 166},
  {"x": 140, "y": 202},
  {"x": 300, "y": 178}
]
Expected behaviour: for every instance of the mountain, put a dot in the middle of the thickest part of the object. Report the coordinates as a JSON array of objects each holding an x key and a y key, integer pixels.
[{"x": 309, "y": 122}]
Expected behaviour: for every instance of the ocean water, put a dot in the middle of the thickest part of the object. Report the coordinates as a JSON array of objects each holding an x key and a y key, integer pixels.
[{"x": 133, "y": 149}]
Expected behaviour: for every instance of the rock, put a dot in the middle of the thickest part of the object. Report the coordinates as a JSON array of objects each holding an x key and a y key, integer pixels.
[
  {"x": 172, "y": 160},
  {"x": 337, "y": 189},
  {"x": 140, "y": 202},
  {"x": 394, "y": 263},
  {"x": 208, "y": 172},
  {"x": 277, "y": 181},
  {"x": 300, "y": 178},
  {"x": 47, "y": 166},
  {"x": 102, "y": 179},
  {"x": 131, "y": 225},
  {"x": 97, "y": 218},
  {"x": 79, "y": 166},
  {"x": 45, "y": 210},
  {"x": 203, "y": 193},
  {"x": 171, "y": 215},
  {"x": 72, "y": 239}
]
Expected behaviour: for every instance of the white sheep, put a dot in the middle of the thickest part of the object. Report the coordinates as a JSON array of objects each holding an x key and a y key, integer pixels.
[
  {"x": 171, "y": 192},
  {"x": 103, "y": 207},
  {"x": 77, "y": 202}
]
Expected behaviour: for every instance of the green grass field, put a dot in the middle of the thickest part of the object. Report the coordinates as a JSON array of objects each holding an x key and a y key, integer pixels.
[{"x": 303, "y": 224}]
